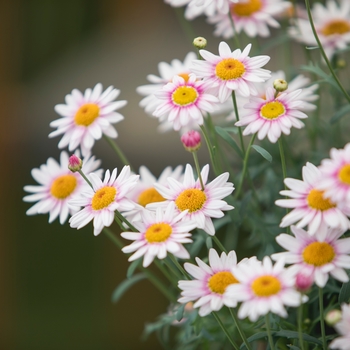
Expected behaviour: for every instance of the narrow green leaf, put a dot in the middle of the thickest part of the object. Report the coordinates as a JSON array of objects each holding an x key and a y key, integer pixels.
[
  {"x": 263, "y": 152},
  {"x": 295, "y": 335},
  {"x": 180, "y": 312},
  {"x": 125, "y": 285},
  {"x": 340, "y": 113},
  {"x": 133, "y": 266},
  {"x": 227, "y": 137},
  {"x": 344, "y": 295}
]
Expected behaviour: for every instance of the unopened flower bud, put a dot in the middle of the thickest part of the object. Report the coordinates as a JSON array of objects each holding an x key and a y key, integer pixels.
[
  {"x": 280, "y": 85},
  {"x": 303, "y": 282},
  {"x": 200, "y": 43},
  {"x": 75, "y": 163},
  {"x": 341, "y": 63},
  {"x": 333, "y": 317},
  {"x": 191, "y": 140}
]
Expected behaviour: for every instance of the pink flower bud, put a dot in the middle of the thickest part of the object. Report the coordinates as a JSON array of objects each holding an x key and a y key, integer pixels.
[
  {"x": 191, "y": 140},
  {"x": 304, "y": 281},
  {"x": 75, "y": 163}
]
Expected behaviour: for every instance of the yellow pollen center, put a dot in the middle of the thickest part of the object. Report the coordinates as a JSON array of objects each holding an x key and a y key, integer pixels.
[
  {"x": 344, "y": 174},
  {"x": 318, "y": 253},
  {"x": 336, "y": 27},
  {"x": 267, "y": 285},
  {"x": 157, "y": 233},
  {"x": 218, "y": 282},
  {"x": 191, "y": 199},
  {"x": 272, "y": 110},
  {"x": 229, "y": 68},
  {"x": 316, "y": 201},
  {"x": 184, "y": 95},
  {"x": 103, "y": 197},
  {"x": 86, "y": 114},
  {"x": 185, "y": 76},
  {"x": 245, "y": 9},
  {"x": 63, "y": 186},
  {"x": 151, "y": 195}
]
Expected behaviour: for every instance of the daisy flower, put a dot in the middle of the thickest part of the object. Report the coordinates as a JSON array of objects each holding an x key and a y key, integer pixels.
[
  {"x": 252, "y": 16},
  {"x": 343, "y": 328},
  {"x": 166, "y": 74},
  {"x": 210, "y": 282},
  {"x": 107, "y": 196},
  {"x": 231, "y": 70},
  {"x": 85, "y": 117},
  {"x": 316, "y": 256},
  {"x": 57, "y": 186},
  {"x": 184, "y": 101},
  {"x": 273, "y": 115},
  {"x": 336, "y": 175},
  {"x": 159, "y": 232},
  {"x": 201, "y": 205},
  {"x": 310, "y": 206},
  {"x": 262, "y": 288},
  {"x": 332, "y": 24}
]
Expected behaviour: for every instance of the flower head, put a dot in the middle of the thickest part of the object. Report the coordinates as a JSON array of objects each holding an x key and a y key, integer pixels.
[
  {"x": 85, "y": 117},
  {"x": 75, "y": 163},
  {"x": 191, "y": 140},
  {"x": 57, "y": 186},
  {"x": 343, "y": 328},
  {"x": 210, "y": 282}
]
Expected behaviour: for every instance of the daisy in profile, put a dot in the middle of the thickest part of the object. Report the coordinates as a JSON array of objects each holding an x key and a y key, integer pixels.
[
  {"x": 86, "y": 117},
  {"x": 318, "y": 255},
  {"x": 343, "y": 328},
  {"x": 200, "y": 205},
  {"x": 310, "y": 206},
  {"x": 231, "y": 71},
  {"x": 183, "y": 102},
  {"x": 210, "y": 282},
  {"x": 263, "y": 288},
  {"x": 159, "y": 232},
  {"x": 167, "y": 71},
  {"x": 251, "y": 16},
  {"x": 107, "y": 196},
  {"x": 57, "y": 186},
  {"x": 332, "y": 24},
  {"x": 271, "y": 116}
]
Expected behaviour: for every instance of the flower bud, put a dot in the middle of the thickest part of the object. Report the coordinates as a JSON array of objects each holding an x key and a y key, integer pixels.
[
  {"x": 75, "y": 163},
  {"x": 333, "y": 317},
  {"x": 191, "y": 140},
  {"x": 200, "y": 42},
  {"x": 303, "y": 282},
  {"x": 280, "y": 85}
]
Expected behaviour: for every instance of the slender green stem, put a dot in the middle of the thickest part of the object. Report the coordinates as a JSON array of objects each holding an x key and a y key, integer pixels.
[
  {"x": 195, "y": 158},
  {"x": 269, "y": 334},
  {"x": 235, "y": 106},
  {"x": 219, "y": 244},
  {"x": 185, "y": 25},
  {"x": 300, "y": 326},
  {"x": 165, "y": 272},
  {"x": 123, "y": 219},
  {"x": 323, "y": 330},
  {"x": 120, "y": 224},
  {"x": 237, "y": 323},
  {"x": 113, "y": 237},
  {"x": 210, "y": 125},
  {"x": 210, "y": 149},
  {"x": 171, "y": 267},
  {"x": 283, "y": 159},
  {"x": 235, "y": 34},
  {"x": 181, "y": 269},
  {"x": 346, "y": 95},
  {"x": 86, "y": 179},
  {"x": 228, "y": 335},
  {"x": 117, "y": 150}
]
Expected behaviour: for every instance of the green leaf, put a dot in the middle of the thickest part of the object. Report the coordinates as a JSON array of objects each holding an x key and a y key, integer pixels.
[
  {"x": 263, "y": 152},
  {"x": 180, "y": 312},
  {"x": 227, "y": 137},
  {"x": 133, "y": 266},
  {"x": 344, "y": 295},
  {"x": 125, "y": 285},
  {"x": 340, "y": 113},
  {"x": 295, "y": 335}
]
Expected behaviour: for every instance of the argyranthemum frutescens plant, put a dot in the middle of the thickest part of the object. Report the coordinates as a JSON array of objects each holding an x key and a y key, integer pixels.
[{"x": 252, "y": 250}]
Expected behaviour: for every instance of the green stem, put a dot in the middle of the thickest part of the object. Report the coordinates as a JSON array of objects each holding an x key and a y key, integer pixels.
[
  {"x": 235, "y": 106},
  {"x": 235, "y": 34},
  {"x": 323, "y": 330},
  {"x": 283, "y": 159},
  {"x": 175, "y": 272},
  {"x": 195, "y": 158},
  {"x": 113, "y": 237},
  {"x": 86, "y": 179},
  {"x": 117, "y": 150},
  {"x": 300, "y": 326},
  {"x": 268, "y": 329},
  {"x": 120, "y": 224},
  {"x": 210, "y": 149},
  {"x": 237, "y": 323},
  {"x": 228, "y": 335},
  {"x": 181, "y": 269},
  {"x": 219, "y": 244},
  {"x": 165, "y": 272},
  {"x": 123, "y": 219},
  {"x": 185, "y": 25}
]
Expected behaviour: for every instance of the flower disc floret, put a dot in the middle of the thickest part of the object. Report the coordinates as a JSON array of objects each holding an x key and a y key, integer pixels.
[
  {"x": 103, "y": 197},
  {"x": 191, "y": 199},
  {"x": 219, "y": 281},
  {"x": 157, "y": 233},
  {"x": 87, "y": 114},
  {"x": 150, "y": 195},
  {"x": 318, "y": 253},
  {"x": 265, "y": 286},
  {"x": 246, "y": 9},
  {"x": 316, "y": 200},
  {"x": 229, "y": 68},
  {"x": 63, "y": 186}
]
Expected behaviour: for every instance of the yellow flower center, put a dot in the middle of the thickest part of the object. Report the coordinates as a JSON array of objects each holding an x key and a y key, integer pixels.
[
  {"x": 86, "y": 114},
  {"x": 229, "y": 68},
  {"x": 247, "y": 8},
  {"x": 103, "y": 197},
  {"x": 157, "y": 233},
  {"x": 336, "y": 27},
  {"x": 63, "y": 186},
  {"x": 218, "y": 282},
  {"x": 267, "y": 285},
  {"x": 344, "y": 174},
  {"x": 272, "y": 110},
  {"x": 318, "y": 253},
  {"x": 191, "y": 199},
  {"x": 185, "y": 76},
  {"x": 184, "y": 95},
  {"x": 151, "y": 195},
  {"x": 316, "y": 201}
]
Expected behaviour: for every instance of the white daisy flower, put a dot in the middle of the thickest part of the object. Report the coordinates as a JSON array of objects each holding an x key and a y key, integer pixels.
[
  {"x": 332, "y": 24},
  {"x": 201, "y": 205},
  {"x": 107, "y": 196},
  {"x": 57, "y": 186},
  {"x": 310, "y": 206},
  {"x": 210, "y": 282},
  {"x": 183, "y": 102},
  {"x": 159, "y": 232},
  {"x": 318, "y": 255},
  {"x": 252, "y": 17},
  {"x": 343, "y": 328},
  {"x": 166, "y": 74},
  {"x": 272, "y": 116},
  {"x": 231, "y": 70},
  {"x": 85, "y": 118},
  {"x": 263, "y": 288}
]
